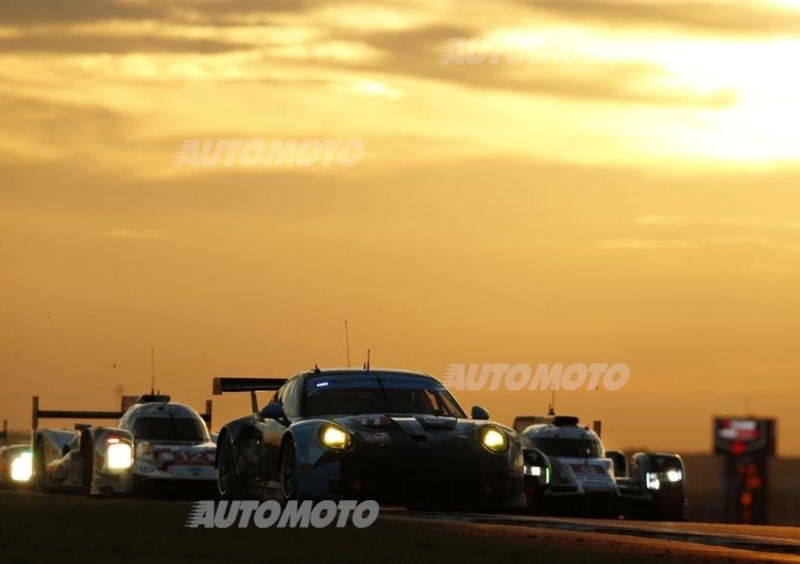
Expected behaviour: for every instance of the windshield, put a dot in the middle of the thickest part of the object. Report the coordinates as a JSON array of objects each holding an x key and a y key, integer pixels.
[
  {"x": 568, "y": 448},
  {"x": 168, "y": 428},
  {"x": 352, "y": 395}
]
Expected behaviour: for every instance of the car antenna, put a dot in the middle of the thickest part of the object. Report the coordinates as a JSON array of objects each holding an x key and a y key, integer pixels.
[
  {"x": 347, "y": 343},
  {"x": 152, "y": 372},
  {"x": 366, "y": 364},
  {"x": 552, "y": 409}
]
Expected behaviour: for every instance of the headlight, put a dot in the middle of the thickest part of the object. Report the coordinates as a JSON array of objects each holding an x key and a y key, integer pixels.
[
  {"x": 538, "y": 471},
  {"x": 674, "y": 475},
  {"x": 22, "y": 467},
  {"x": 651, "y": 481},
  {"x": 119, "y": 456},
  {"x": 334, "y": 437},
  {"x": 494, "y": 439}
]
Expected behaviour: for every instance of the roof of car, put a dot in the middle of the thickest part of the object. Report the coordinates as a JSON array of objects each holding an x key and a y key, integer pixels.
[
  {"x": 161, "y": 409},
  {"x": 362, "y": 371},
  {"x": 561, "y": 427}
]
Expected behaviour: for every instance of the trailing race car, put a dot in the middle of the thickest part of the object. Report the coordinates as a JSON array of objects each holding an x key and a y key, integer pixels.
[
  {"x": 15, "y": 466},
  {"x": 394, "y": 436},
  {"x": 157, "y": 446},
  {"x": 568, "y": 471}
]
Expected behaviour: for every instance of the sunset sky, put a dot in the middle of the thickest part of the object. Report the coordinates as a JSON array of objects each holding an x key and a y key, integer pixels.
[{"x": 628, "y": 193}]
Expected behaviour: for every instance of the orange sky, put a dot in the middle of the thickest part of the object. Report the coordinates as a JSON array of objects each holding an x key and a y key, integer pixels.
[{"x": 629, "y": 194}]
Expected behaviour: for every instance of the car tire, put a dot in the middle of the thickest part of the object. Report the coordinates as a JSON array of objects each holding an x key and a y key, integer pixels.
[
  {"x": 229, "y": 483},
  {"x": 288, "y": 473}
]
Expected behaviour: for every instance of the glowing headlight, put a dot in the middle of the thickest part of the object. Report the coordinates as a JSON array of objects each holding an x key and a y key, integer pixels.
[
  {"x": 651, "y": 481},
  {"x": 534, "y": 470},
  {"x": 119, "y": 456},
  {"x": 22, "y": 467},
  {"x": 334, "y": 437},
  {"x": 674, "y": 475},
  {"x": 494, "y": 439}
]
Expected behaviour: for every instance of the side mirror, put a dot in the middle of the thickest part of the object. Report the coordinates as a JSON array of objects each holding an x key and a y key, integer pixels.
[
  {"x": 273, "y": 411},
  {"x": 479, "y": 413}
]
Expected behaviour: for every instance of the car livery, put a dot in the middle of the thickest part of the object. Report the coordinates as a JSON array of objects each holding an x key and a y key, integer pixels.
[
  {"x": 157, "y": 446},
  {"x": 568, "y": 471},
  {"x": 395, "y": 436}
]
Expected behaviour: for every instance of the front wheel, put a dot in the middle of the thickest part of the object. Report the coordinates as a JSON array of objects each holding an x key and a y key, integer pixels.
[
  {"x": 288, "y": 472},
  {"x": 226, "y": 471}
]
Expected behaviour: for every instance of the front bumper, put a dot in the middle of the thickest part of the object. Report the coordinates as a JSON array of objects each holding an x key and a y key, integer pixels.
[{"x": 418, "y": 476}]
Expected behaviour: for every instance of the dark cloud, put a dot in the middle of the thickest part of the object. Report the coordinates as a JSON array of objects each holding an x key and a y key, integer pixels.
[
  {"x": 748, "y": 18},
  {"x": 27, "y": 12},
  {"x": 35, "y": 12},
  {"x": 93, "y": 43},
  {"x": 418, "y": 53}
]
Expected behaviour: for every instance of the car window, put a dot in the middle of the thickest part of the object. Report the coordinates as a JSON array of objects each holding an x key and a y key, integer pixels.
[
  {"x": 568, "y": 448},
  {"x": 291, "y": 399},
  {"x": 370, "y": 393}
]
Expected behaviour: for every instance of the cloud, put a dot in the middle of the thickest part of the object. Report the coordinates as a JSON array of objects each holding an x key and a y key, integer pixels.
[
  {"x": 418, "y": 53},
  {"x": 734, "y": 241},
  {"x": 778, "y": 224},
  {"x": 66, "y": 43},
  {"x": 645, "y": 244},
  {"x": 744, "y": 18},
  {"x": 26, "y": 12},
  {"x": 126, "y": 234}
]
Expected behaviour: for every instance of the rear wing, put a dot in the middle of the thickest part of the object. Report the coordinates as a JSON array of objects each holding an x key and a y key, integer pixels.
[
  {"x": 64, "y": 414},
  {"x": 252, "y": 385},
  {"x": 206, "y": 415},
  {"x": 67, "y": 414}
]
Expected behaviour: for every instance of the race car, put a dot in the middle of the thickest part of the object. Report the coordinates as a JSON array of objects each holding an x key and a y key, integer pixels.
[
  {"x": 394, "y": 436},
  {"x": 569, "y": 472},
  {"x": 157, "y": 447},
  {"x": 15, "y": 466}
]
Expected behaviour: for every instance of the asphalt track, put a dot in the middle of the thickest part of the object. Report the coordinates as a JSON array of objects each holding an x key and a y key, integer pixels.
[{"x": 762, "y": 543}]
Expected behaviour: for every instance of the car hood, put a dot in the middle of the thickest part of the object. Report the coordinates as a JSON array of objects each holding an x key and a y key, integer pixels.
[
  {"x": 592, "y": 474},
  {"x": 413, "y": 425},
  {"x": 163, "y": 455}
]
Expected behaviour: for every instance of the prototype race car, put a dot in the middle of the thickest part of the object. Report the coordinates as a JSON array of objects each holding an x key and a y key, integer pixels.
[
  {"x": 394, "y": 436},
  {"x": 15, "y": 466},
  {"x": 157, "y": 447},
  {"x": 568, "y": 471}
]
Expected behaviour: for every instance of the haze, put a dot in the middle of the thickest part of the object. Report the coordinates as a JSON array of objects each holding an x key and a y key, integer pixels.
[{"x": 630, "y": 194}]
